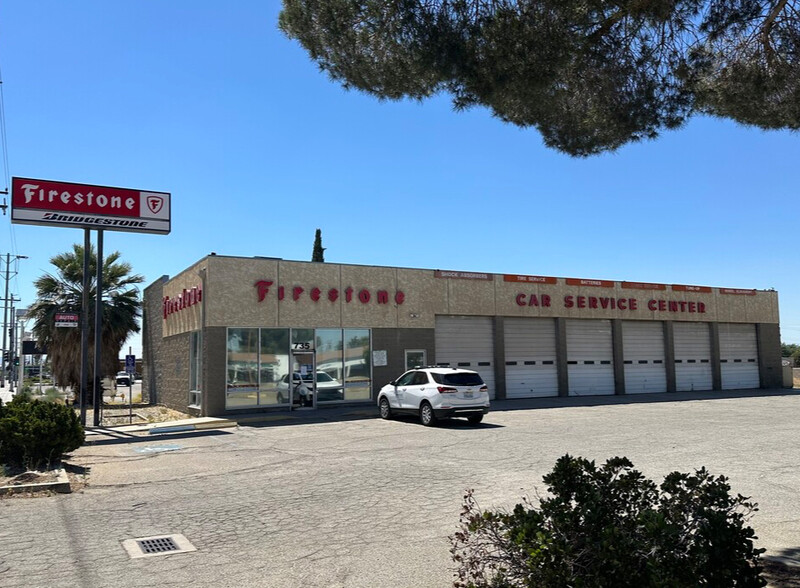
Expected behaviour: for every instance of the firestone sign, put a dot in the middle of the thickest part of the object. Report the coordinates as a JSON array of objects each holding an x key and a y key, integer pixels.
[{"x": 64, "y": 204}]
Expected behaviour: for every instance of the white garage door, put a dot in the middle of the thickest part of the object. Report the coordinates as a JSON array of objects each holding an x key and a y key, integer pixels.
[
  {"x": 643, "y": 356},
  {"x": 590, "y": 357},
  {"x": 467, "y": 342},
  {"x": 738, "y": 354},
  {"x": 692, "y": 343},
  {"x": 530, "y": 357}
]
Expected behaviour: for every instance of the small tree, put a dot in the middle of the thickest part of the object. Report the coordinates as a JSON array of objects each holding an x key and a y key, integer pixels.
[
  {"x": 611, "y": 527},
  {"x": 319, "y": 251}
]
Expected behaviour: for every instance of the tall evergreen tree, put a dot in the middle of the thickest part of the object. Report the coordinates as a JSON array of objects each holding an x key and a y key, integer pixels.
[
  {"x": 319, "y": 251},
  {"x": 63, "y": 292}
]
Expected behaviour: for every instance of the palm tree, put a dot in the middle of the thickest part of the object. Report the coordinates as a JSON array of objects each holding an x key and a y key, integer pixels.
[{"x": 63, "y": 292}]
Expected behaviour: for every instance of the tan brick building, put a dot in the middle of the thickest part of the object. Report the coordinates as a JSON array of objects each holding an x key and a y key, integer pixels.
[{"x": 233, "y": 334}]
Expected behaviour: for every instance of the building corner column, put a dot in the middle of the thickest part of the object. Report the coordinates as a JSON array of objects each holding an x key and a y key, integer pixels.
[
  {"x": 561, "y": 357},
  {"x": 500, "y": 358},
  {"x": 669, "y": 356},
  {"x": 618, "y": 354},
  {"x": 716, "y": 363}
]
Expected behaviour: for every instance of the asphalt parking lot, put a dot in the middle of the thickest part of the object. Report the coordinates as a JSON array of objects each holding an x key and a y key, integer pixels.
[{"x": 364, "y": 502}]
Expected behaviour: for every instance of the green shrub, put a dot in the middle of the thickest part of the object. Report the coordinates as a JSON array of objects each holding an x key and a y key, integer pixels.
[
  {"x": 611, "y": 527},
  {"x": 35, "y": 433}
]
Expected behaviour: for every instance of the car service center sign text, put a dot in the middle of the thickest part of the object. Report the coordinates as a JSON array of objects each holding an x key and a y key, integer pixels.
[{"x": 64, "y": 204}]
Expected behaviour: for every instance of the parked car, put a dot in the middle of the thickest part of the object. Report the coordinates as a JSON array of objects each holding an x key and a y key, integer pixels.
[
  {"x": 436, "y": 393},
  {"x": 123, "y": 379},
  {"x": 327, "y": 388}
]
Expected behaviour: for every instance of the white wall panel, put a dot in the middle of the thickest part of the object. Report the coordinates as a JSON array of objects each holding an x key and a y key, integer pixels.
[
  {"x": 643, "y": 357},
  {"x": 530, "y": 347},
  {"x": 467, "y": 342},
  {"x": 738, "y": 354},
  {"x": 692, "y": 342},
  {"x": 590, "y": 357}
]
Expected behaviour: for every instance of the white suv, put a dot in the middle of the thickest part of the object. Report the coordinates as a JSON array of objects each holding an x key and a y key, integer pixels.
[{"x": 436, "y": 393}]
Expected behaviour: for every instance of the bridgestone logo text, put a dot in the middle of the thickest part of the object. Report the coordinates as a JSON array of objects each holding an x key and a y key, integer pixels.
[{"x": 90, "y": 220}]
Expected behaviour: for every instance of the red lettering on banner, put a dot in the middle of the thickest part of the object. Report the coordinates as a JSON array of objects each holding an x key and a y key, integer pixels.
[
  {"x": 399, "y": 297},
  {"x": 592, "y": 302},
  {"x": 581, "y": 301},
  {"x": 621, "y": 304},
  {"x": 364, "y": 296},
  {"x": 296, "y": 291},
  {"x": 348, "y": 295},
  {"x": 383, "y": 297},
  {"x": 520, "y": 299},
  {"x": 651, "y": 305},
  {"x": 333, "y": 294},
  {"x": 315, "y": 293},
  {"x": 281, "y": 293},
  {"x": 568, "y": 303},
  {"x": 546, "y": 300}
]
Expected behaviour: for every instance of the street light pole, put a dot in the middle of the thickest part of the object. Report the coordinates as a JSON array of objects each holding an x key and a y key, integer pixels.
[{"x": 5, "y": 315}]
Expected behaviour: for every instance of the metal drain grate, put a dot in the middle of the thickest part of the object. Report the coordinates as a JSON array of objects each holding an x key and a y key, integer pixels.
[{"x": 159, "y": 545}]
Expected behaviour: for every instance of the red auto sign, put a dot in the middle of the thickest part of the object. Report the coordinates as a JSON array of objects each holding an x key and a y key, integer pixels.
[{"x": 64, "y": 204}]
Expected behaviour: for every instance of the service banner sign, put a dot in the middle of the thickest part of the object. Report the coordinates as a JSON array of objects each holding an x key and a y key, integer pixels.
[
  {"x": 64, "y": 204},
  {"x": 67, "y": 319}
]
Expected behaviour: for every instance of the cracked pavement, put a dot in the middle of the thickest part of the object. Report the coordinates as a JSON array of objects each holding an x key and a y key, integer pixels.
[{"x": 365, "y": 503}]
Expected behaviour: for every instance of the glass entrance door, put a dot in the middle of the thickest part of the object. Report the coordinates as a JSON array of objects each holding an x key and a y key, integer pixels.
[{"x": 304, "y": 380}]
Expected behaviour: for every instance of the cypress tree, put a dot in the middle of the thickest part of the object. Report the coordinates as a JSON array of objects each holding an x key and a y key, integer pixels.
[{"x": 319, "y": 251}]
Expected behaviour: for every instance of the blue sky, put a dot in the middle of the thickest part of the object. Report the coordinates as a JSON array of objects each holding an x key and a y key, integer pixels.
[{"x": 210, "y": 102}]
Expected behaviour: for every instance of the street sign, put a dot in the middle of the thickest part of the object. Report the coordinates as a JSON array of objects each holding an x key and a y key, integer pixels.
[
  {"x": 67, "y": 319},
  {"x": 130, "y": 364}
]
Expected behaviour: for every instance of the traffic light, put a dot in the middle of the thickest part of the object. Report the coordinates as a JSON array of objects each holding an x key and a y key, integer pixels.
[
  {"x": 16, "y": 360},
  {"x": 5, "y": 356}
]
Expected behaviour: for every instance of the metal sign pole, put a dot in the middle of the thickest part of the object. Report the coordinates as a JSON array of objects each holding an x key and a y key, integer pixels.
[
  {"x": 98, "y": 332},
  {"x": 130, "y": 388},
  {"x": 87, "y": 243}
]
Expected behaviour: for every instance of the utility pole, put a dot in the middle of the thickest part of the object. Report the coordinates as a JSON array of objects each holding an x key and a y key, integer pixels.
[{"x": 5, "y": 315}]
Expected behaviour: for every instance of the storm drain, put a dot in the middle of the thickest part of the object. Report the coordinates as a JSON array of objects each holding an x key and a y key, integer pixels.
[{"x": 160, "y": 545}]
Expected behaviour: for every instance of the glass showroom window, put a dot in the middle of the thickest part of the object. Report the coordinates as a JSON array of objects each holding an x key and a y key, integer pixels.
[
  {"x": 274, "y": 367},
  {"x": 357, "y": 364},
  {"x": 330, "y": 385},
  {"x": 242, "y": 379},
  {"x": 195, "y": 369}
]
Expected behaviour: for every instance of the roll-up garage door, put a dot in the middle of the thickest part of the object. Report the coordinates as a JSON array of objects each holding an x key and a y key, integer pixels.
[
  {"x": 530, "y": 357},
  {"x": 590, "y": 357},
  {"x": 738, "y": 354},
  {"x": 467, "y": 342},
  {"x": 643, "y": 355},
  {"x": 692, "y": 343}
]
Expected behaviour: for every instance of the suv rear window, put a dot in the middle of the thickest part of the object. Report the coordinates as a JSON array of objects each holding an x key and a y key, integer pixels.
[{"x": 458, "y": 379}]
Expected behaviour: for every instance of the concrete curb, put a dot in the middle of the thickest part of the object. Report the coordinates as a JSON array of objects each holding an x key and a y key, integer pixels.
[
  {"x": 163, "y": 428},
  {"x": 61, "y": 485}
]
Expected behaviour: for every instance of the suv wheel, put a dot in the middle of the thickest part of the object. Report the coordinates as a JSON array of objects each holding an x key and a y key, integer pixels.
[
  {"x": 426, "y": 415},
  {"x": 385, "y": 408},
  {"x": 475, "y": 419}
]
